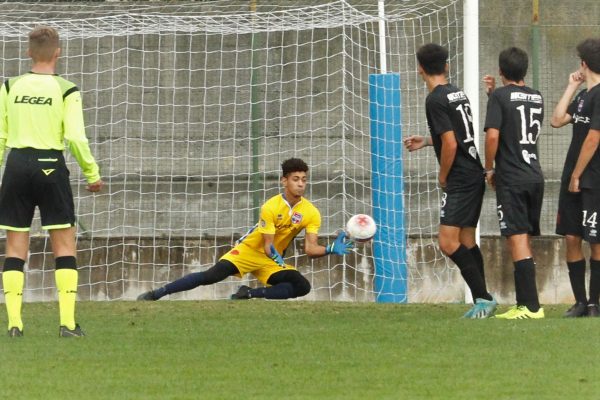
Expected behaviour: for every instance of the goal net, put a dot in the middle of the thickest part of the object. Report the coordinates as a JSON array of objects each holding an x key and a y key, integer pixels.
[{"x": 190, "y": 109}]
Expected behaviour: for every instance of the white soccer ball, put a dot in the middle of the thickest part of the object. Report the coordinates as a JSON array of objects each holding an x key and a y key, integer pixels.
[{"x": 361, "y": 228}]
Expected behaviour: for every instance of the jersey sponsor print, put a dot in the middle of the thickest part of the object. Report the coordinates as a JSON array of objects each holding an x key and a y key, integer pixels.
[{"x": 517, "y": 113}]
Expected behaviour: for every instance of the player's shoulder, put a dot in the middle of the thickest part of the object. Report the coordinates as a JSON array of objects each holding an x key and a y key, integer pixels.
[
  {"x": 505, "y": 91},
  {"x": 308, "y": 204},
  {"x": 594, "y": 92},
  {"x": 66, "y": 86},
  {"x": 309, "y": 209},
  {"x": 63, "y": 82},
  {"x": 442, "y": 91},
  {"x": 439, "y": 95},
  {"x": 529, "y": 90},
  {"x": 10, "y": 82},
  {"x": 450, "y": 93},
  {"x": 274, "y": 201}
]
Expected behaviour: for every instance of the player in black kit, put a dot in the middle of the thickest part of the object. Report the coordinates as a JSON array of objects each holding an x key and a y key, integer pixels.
[
  {"x": 568, "y": 217},
  {"x": 513, "y": 121},
  {"x": 585, "y": 177},
  {"x": 448, "y": 113}
]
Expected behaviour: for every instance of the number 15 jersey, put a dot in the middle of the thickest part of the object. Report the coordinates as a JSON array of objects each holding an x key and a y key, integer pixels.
[
  {"x": 448, "y": 109},
  {"x": 517, "y": 112}
]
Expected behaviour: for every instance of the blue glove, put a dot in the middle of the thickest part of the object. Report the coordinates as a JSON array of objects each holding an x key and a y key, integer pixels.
[
  {"x": 275, "y": 256},
  {"x": 340, "y": 245}
]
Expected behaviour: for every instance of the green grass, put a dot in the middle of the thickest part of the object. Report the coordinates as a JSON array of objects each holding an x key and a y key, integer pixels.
[{"x": 297, "y": 350}]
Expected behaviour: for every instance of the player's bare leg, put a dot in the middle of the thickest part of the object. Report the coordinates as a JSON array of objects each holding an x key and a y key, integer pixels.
[
  {"x": 519, "y": 247},
  {"x": 17, "y": 244},
  {"x": 574, "y": 248}
]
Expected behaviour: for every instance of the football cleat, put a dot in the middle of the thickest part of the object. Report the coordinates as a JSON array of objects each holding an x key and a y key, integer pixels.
[
  {"x": 484, "y": 308},
  {"x": 147, "y": 296},
  {"x": 576, "y": 310},
  {"x": 521, "y": 312},
  {"x": 63, "y": 331},
  {"x": 592, "y": 310},
  {"x": 469, "y": 314},
  {"x": 243, "y": 293},
  {"x": 507, "y": 314},
  {"x": 15, "y": 332}
]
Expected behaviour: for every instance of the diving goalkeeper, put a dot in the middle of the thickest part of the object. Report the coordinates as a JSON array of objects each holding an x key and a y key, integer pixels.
[{"x": 259, "y": 251}]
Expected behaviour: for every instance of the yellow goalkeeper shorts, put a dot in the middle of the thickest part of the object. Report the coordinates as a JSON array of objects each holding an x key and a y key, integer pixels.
[{"x": 251, "y": 261}]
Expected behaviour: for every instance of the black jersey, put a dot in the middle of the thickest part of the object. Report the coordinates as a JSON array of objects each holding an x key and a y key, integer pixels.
[
  {"x": 448, "y": 109},
  {"x": 586, "y": 117},
  {"x": 517, "y": 112},
  {"x": 580, "y": 131}
]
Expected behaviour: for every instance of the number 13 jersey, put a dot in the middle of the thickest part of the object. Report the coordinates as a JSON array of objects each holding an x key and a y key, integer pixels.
[
  {"x": 517, "y": 112},
  {"x": 448, "y": 109}
]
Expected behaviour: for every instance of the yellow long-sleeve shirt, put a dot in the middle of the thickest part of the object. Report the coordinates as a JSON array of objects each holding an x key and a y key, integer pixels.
[{"x": 41, "y": 111}]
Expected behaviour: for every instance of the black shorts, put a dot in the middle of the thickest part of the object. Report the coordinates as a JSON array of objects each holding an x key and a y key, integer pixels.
[
  {"x": 590, "y": 218},
  {"x": 520, "y": 208},
  {"x": 568, "y": 217},
  {"x": 461, "y": 206},
  {"x": 36, "y": 178}
]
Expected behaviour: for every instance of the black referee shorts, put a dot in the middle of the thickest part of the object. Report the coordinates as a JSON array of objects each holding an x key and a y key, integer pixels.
[
  {"x": 36, "y": 178},
  {"x": 568, "y": 217},
  {"x": 520, "y": 208}
]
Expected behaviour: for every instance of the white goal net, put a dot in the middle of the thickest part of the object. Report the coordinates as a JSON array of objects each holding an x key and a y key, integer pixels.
[{"x": 190, "y": 109}]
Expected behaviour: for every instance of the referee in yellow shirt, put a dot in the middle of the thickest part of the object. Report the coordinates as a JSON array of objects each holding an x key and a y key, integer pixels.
[
  {"x": 259, "y": 252},
  {"x": 38, "y": 112}
]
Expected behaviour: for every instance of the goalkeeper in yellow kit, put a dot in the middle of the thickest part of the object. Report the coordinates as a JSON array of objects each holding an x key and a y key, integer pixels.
[
  {"x": 38, "y": 112},
  {"x": 259, "y": 252}
]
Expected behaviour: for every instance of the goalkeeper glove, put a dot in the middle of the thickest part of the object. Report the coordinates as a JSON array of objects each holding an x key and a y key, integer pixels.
[
  {"x": 275, "y": 256},
  {"x": 340, "y": 245}
]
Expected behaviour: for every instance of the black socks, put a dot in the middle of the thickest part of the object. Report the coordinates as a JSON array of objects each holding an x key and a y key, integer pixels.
[
  {"x": 577, "y": 278},
  {"x": 594, "y": 281},
  {"x": 469, "y": 270},
  {"x": 525, "y": 285}
]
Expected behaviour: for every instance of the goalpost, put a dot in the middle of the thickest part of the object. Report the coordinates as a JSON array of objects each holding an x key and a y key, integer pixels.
[{"x": 190, "y": 109}]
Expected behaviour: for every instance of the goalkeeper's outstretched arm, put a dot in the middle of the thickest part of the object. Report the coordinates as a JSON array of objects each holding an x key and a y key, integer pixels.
[{"x": 340, "y": 246}]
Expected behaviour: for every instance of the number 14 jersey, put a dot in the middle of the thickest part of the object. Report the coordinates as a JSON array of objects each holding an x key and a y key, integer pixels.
[{"x": 517, "y": 112}]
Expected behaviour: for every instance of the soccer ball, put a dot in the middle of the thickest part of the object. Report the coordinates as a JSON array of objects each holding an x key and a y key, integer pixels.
[{"x": 361, "y": 228}]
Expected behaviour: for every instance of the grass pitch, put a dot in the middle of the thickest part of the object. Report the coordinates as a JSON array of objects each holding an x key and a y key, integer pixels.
[{"x": 297, "y": 350}]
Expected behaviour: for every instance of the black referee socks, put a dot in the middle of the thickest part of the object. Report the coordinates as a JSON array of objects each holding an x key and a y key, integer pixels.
[
  {"x": 66, "y": 262},
  {"x": 13, "y": 264}
]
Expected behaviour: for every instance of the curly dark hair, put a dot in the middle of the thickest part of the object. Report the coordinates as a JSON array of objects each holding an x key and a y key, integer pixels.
[{"x": 293, "y": 165}]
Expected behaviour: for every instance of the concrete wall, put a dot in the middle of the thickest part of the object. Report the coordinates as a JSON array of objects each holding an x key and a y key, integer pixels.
[{"x": 123, "y": 267}]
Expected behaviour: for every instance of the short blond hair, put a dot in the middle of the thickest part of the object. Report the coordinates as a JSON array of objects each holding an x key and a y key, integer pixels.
[{"x": 43, "y": 42}]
